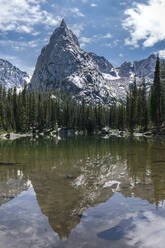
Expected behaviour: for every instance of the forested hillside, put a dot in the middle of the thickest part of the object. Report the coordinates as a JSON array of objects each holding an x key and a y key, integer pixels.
[{"x": 30, "y": 110}]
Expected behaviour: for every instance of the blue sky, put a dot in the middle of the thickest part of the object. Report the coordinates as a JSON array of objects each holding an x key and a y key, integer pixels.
[{"x": 120, "y": 30}]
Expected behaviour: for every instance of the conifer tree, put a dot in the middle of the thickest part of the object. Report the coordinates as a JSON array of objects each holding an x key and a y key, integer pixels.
[
  {"x": 121, "y": 117},
  {"x": 144, "y": 111},
  {"x": 132, "y": 107},
  {"x": 155, "y": 106},
  {"x": 1, "y": 110},
  {"x": 127, "y": 109},
  {"x": 33, "y": 109},
  {"x": 24, "y": 110},
  {"x": 10, "y": 123},
  {"x": 162, "y": 79}
]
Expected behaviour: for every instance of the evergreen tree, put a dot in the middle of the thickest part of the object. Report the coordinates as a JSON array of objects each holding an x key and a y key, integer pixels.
[
  {"x": 121, "y": 117},
  {"x": 155, "y": 106},
  {"x": 24, "y": 110},
  {"x": 10, "y": 121},
  {"x": 142, "y": 115},
  {"x": 33, "y": 109},
  {"x": 128, "y": 109},
  {"x": 144, "y": 111},
  {"x": 162, "y": 79},
  {"x": 1, "y": 110},
  {"x": 132, "y": 106}
]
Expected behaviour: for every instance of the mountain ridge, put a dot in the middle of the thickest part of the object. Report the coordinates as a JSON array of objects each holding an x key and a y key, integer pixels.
[
  {"x": 11, "y": 76},
  {"x": 63, "y": 65}
]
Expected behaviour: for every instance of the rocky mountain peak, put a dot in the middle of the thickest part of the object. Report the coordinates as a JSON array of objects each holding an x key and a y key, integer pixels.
[
  {"x": 125, "y": 69},
  {"x": 145, "y": 67},
  {"x": 63, "y": 24},
  {"x": 63, "y": 34},
  {"x": 63, "y": 65}
]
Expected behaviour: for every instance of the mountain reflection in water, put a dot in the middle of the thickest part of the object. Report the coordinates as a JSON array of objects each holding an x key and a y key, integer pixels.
[{"x": 110, "y": 188}]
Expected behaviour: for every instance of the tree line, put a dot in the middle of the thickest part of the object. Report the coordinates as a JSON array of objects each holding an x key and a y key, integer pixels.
[
  {"x": 146, "y": 110},
  {"x": 30, "y": 110}
]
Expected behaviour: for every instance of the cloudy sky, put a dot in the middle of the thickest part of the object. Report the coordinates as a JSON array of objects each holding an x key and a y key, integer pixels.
[{"x": 120, "y": 30}]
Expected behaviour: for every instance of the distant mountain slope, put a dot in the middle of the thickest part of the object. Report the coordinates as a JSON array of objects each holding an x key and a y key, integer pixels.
[
  {"x": 11, "y": 76},
  {"x": 104, "y": 65}
]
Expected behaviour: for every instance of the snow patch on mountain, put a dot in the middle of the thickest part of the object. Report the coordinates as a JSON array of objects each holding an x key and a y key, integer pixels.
[{"x": 110, "y": 77}]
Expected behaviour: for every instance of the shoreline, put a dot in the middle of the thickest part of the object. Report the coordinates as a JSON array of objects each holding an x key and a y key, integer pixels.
[{"x": 105, "y": 133}]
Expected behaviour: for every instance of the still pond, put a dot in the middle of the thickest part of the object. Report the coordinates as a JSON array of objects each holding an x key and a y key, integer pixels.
[{"x": 84, "y": 192}]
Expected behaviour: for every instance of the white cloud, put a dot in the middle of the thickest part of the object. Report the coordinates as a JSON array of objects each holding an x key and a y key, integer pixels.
[
  {"x": 108, "y": 45},
  {"x": 123, "y": 3},
  {"x": 89, "y": 1},
  {"x": 145, "y": 22},
  {"x": 115, "y": 43},
  {"x": 102, "y": 36},
  {"x": 85, "y": 40},
  {"x": 77, "y": 12},
  {"x": 96, "y": 38},
  {"x": 82, "y": 45},
  {"x": 107, "y": 36},
  {"x": 24, "y": 29},
  {"x": 68, "y": 12},
  {"x": 23, "y": 15},
  {"x": 93, "y": 5},
  {"x": 36, "y": 33},
  {"x": 147, "y": 232},
  {"x": 20, "y": 45}
]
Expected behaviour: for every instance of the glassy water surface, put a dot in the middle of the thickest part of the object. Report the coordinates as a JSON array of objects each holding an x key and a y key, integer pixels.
[{"x": 82, "y": 193}]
